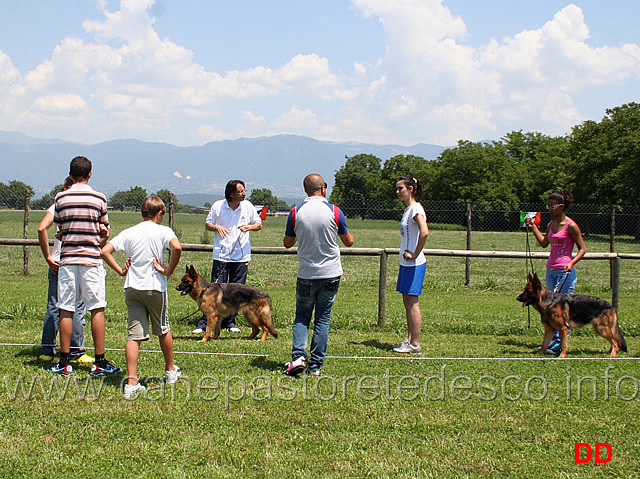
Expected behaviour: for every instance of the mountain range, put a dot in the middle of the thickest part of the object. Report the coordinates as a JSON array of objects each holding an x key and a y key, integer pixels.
[{"x": 278, "y": 163}]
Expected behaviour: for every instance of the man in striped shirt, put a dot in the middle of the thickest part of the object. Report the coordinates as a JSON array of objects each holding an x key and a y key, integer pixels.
[{"x": 81, "y": 216}]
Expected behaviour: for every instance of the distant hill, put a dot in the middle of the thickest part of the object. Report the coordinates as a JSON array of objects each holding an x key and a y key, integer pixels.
[{"x": 278, "y": 163}]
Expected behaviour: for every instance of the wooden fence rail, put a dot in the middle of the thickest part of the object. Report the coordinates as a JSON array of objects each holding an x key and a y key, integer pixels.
[{"x": 383, "y": 253}]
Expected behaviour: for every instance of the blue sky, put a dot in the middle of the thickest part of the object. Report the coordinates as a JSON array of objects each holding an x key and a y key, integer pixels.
[{"x": 405, "y": 71}]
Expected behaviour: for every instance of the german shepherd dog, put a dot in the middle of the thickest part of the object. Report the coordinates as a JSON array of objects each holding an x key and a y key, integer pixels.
[
  {"x": 219, "y": 300},
  {"x": 561, "y": 311}
]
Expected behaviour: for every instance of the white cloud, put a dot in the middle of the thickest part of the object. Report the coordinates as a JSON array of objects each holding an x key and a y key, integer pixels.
[
  {"x": 296, "y": 120},
  {"x": 428, "y": 85}
]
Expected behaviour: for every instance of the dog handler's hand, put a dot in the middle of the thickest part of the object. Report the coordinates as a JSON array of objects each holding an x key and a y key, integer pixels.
[
  {"x": 161, "y": 268},
  {"x": 222, "y": 231},
  {"x": 408, "y": 255}
]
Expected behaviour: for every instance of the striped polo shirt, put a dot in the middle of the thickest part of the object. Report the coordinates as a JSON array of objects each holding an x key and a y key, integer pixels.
[{"x": 80, "y": 210}]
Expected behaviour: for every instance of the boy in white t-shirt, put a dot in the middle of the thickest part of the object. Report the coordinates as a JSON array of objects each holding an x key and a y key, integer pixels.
[{"x": 145, "y": 286}]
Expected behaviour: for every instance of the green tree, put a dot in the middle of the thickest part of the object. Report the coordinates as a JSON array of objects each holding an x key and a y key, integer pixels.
[
  {"x": 131, "y": 199},
  {"x": 479, "y": 173},
  {"x": 358, "y": 186},
  {"x": 263, "y": 196},
  {"x": 605, "y": 157},
  {"x": 408, "y": 165},
  {"x": 13, "y": 195},
  {"x": 540, "y": 163}
]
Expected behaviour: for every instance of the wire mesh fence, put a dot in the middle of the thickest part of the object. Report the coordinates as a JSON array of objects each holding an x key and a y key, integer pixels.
[{"x": 618, "y": 223}]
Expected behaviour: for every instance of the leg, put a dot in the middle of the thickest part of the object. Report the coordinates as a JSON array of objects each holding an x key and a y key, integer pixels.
[
  {"x": 235, "y": 273},
  {"x": 305, "y": 303},
  {"x": 325, "y": 297},
  {"x": 414, "y": 318},
  {"x": 548, "y": 334},
  {"x": 51, "y": 319},
  {"x": 77, "y": 334},
  {"x": 563, "y": 333},
  {"x": 166, "y": 345},
  {"x": 132, "y": 351},
  {"x": 213, "y": 324},
  {"x": 98, "y": 330}
]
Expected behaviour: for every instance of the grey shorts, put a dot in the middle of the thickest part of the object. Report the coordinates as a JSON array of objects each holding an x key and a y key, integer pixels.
[{"x": 144, "y": 307}]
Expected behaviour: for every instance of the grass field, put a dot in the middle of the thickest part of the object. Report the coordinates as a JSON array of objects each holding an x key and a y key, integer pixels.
[{"x": 477, "y": 403}]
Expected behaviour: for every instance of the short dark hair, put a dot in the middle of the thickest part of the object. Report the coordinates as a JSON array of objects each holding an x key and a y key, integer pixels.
[
  {"x": 232, "y": 187},
  {"x": 68, "y": 181},
  {"x": 150, "y": 207},
  {"x": 80, "y": 168}
]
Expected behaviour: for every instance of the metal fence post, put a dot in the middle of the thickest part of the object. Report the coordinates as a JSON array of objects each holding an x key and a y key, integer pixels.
[{"x": 382, "y": 289}]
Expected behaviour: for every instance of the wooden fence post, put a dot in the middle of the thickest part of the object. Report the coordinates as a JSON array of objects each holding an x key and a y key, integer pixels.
[
  {"x": 382, "y": 289},
  {"x": 467, "y": 279},
  {"x": 615, "y": 281},
  {"x": 25, "y": 234}
]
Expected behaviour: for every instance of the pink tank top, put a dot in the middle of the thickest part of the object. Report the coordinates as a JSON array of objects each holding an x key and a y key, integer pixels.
[{"x": 561, "y": 246}]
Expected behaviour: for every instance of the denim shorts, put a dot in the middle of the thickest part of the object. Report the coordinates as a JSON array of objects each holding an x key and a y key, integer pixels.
[{"x": 410, "y": 279}]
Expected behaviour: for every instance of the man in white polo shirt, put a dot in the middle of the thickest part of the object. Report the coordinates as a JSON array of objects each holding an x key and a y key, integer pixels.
[{"x": 232, "y": 220}]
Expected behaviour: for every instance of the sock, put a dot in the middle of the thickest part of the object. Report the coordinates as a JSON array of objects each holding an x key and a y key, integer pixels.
[
  {"x": 64, "y": 359},
  {"x": 100, "y": 360}
]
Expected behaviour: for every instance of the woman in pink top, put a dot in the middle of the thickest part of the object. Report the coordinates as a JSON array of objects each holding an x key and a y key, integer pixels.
[{"x": 563, "y": 234}]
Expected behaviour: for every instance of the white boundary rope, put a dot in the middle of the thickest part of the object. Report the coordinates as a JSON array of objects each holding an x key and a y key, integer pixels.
[{"x": 392, "y": 358}]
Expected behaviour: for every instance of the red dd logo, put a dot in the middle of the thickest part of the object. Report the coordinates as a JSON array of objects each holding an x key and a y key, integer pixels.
[{"x": 598, "y": 447}]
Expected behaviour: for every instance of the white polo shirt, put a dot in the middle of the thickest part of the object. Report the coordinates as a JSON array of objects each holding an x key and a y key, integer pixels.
[{"x": 236, "y": 247}]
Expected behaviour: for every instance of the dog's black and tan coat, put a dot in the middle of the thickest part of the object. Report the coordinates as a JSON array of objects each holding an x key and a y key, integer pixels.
[
  {"x": 219, "y": 300},
  {"x": 561, "y": 312}
]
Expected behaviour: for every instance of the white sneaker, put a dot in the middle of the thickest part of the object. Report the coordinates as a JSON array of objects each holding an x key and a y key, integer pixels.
[
  {"x": 234, "y": 329},
  {"x": 403, "y": 344},
  {"x": 172, "y": 376},
  {"x": 131, "y": 389},
  {"x": 197, "y": 331},
  {"x": 407, "y": 348}
]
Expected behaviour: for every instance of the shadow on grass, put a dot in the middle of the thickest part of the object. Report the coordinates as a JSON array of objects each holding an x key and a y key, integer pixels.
[{"x": 374, "y": 343}]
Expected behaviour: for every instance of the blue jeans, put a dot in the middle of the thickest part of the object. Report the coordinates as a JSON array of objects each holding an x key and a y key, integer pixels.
[
  {"x": 223, "y": 272},
  {"x": 52, "y": 323},
  {"x": 310, "y": 293},
  {"x": 566, "y": 283}
]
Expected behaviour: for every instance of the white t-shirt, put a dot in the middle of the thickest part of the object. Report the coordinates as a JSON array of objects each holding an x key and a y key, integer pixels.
[
  {"x": 409, "y": 233},
  {"x": 55, "y": 251},
  {"x": 236, "y": 247},
  {"x": 143, "y": 243}
]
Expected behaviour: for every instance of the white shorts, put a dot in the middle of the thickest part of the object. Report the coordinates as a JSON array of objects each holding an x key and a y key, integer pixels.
[{"x": 86, "y": 283}]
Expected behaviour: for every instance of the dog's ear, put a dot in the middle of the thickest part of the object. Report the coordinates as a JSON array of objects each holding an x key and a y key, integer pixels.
[{"x": 191, "y": 271}]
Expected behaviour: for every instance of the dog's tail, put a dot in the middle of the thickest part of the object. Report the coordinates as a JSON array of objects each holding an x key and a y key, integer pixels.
[
  {"x": 618, "y": 336},
  {"x": 274, "y": 333}
]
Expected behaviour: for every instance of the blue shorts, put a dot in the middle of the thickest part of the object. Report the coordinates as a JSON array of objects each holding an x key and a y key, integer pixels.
[{"x": 410, "y": 279}]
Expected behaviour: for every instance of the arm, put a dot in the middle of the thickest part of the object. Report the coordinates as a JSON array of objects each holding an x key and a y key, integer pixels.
[
  {"x": 43, "y": 238},
  {"x": 257, "y": 226},
  {"x": 288, "y": 241},
  {"x": 423, "y": 232},
  {"x": 176, "y": 251},
  {"x": 107, "y": 256},
  {"x": 576, "y": 235},
  {"x": 347, "y": 239},
  {"x": 543, "y": 240}
]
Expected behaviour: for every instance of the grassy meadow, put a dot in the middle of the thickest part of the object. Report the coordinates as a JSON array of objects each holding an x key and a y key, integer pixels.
[{"x": 477, "y": 403}]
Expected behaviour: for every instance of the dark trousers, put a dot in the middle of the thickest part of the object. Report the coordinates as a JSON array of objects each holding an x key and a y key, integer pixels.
[{"x": 223, "y": 272}]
